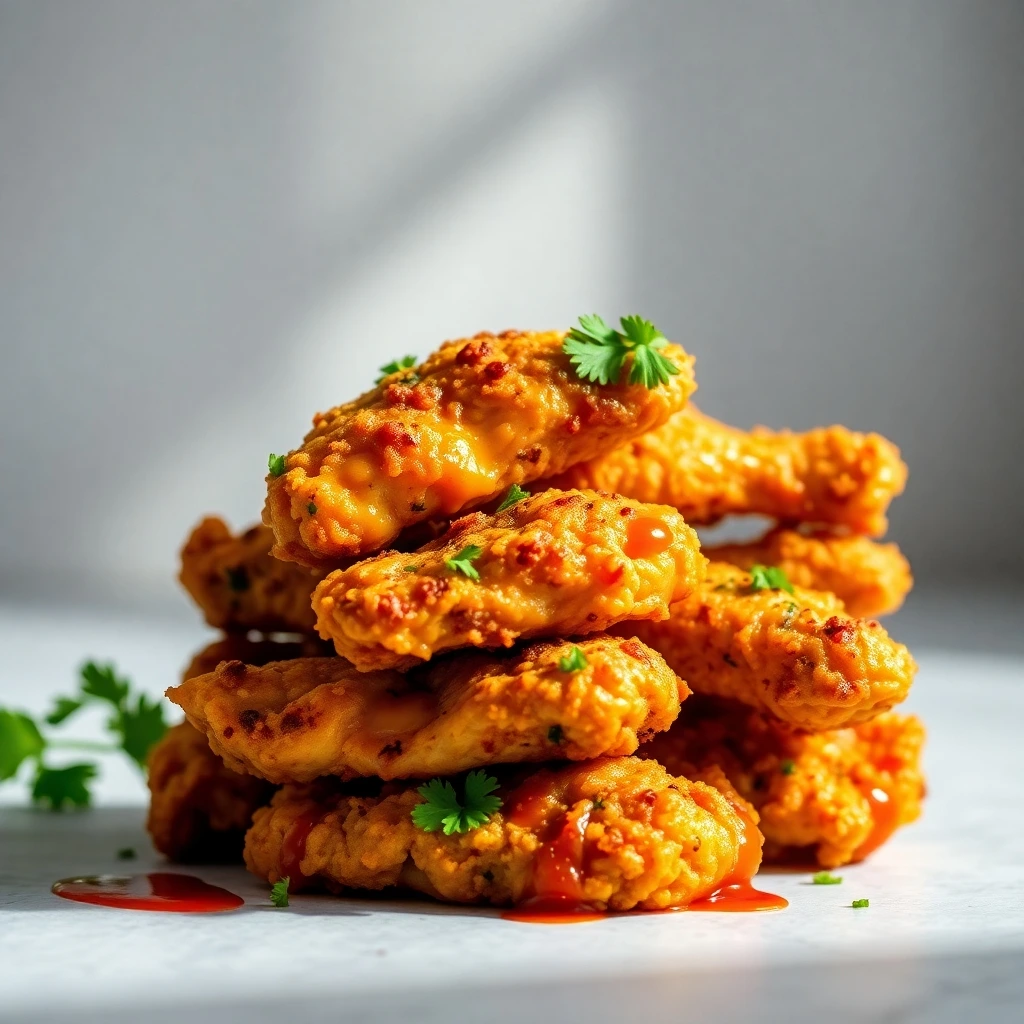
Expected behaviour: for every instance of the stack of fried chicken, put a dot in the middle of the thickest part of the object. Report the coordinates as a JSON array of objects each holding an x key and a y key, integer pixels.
[{"x": 458, "y": 657}]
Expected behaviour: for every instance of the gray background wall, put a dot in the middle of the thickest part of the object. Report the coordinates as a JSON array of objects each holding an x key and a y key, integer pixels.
[{"x": 216, "y": 218}]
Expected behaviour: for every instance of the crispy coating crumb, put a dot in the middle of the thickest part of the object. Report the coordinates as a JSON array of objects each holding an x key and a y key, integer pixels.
[
  {"x": 480, "y": 414},
  {"x": 871, "y": 579},
  {"x": 707, "y": 470},
  {"x": 297, "y": 720},
  {"x": 798, "y": 656},
  {"x": 240, "y": 586},
  {"x": 816, "y": 793},
  {"x": 616, "y": 833},
  {"x": 555, "y": 564}
]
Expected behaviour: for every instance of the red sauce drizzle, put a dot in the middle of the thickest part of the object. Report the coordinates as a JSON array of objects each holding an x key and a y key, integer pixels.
[
  {"x": 293, "y": 849},
  {"x": 646, "y": 536},
  {"x": 160, "y": 890},
  {"x": 885, "y": 817}
]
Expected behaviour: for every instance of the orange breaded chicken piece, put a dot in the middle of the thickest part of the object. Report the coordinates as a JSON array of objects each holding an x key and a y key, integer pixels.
[
  {"x": 237, "y": 647},
  {"x": 239, "y": 585},
  {"x": 199, "y": 809},
  {"x": 478, "y": 415},
  {"x": 616, "y": 833},
  {"x": 871, "y": 579},
  {"x": 554, "y": 564},
  {"x": 797, "y": 656},
  {"x": 294, "y": 721},
  {"x": 707, "y": 470},
  {"x": 831, "y": 796}
]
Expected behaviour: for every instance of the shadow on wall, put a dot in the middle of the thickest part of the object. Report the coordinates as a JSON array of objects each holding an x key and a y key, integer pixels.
[{"x": 213, "y": 225}]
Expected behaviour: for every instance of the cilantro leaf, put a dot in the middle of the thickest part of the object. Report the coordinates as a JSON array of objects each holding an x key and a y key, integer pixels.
[
  {"x": 410, "y": 568},
  {"x": 826, "y": 878},
  {"x": 60, "y": 786},
  {"x": 275, "y": 464},
  {"x": 463, "y": 561},
  {"x": 395, "y": 366},
  {"x": 443, "y": 810},
  {"x": 860, "y": 904},
  {"x": 19, "y": 740},
  {"x": 63, "y": 709},
  {"x": 126, "y": 853},
  {"x": 513, "y": 496},
  {"x": 768, "y": 577},
  {"x": 141, "y": 727},
  {"x": 574, "y": 661},
  {"x": 101, "y": 682},
  {"x": 279, "y": 892},
  {"x": 787, "y": 766},
  {"x": 311, "y": 508},
  {"x": 598, "y": 351}
]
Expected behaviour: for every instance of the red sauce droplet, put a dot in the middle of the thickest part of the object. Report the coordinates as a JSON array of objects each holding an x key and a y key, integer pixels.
[
  {"x": 293, "y": 849},
  {"x": 646, "y": 536},
  {"x": 885, "y": 817},
  {"x": 740, "y": 897},
  {"x": 160, "y": 890}
]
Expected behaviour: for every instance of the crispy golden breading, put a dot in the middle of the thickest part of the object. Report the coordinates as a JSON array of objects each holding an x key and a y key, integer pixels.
[
  {"x": 617, "y": 833},
  {"x": 478, "y": 415},
  {"x": 555, "y": 564},
  {"x": 707, "y": 470},
  {"x": 240, "y": 586},
  {"x": 199, "y": 809},
  {"x": 798, "y": 656},
  {"x": 832, "y": 796},
  {"x": 236, "y": 647},
  {"x": 297, "y": 720},
  {"x": 871, "y": 579}
]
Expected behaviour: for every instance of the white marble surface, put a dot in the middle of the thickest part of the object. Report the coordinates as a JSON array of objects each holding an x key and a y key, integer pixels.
[{"x": 943, "y": 939}]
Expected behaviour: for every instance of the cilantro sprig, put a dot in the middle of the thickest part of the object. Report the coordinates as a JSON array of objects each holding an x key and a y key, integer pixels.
[
  {"x": 276, "y": 464},
  {"x": 513, "y": 496},
  {"x": 135, "y": 722},
  {"x": 279, "y": 892},
  {"x": 574, "y": 661},
  {"x": 768, "y": 577},
  {"x": 463, "y": 561},
  {"x": 826, "y": 878},
  {"x": 395, "y": 366},
  {"x": 599, "y": 352},
  {"x": 860, "y": 904},
  {"x": 442, "y": 808}
]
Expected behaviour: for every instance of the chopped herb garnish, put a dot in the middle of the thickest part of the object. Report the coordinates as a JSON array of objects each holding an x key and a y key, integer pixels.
[
  {"x": 463, "y": 561},
  {"x": 279, "y": 892},
  {"x": 513, "y": 496},
  {"x": 599, "y": 351},
  {"x": 598, "y": 803},
  {"x": 787, "y": 766},
  {"x": 826, "y": 878},
  {"x": 768, "y": 577},
  {"x": 860, "y": 904},
  {"x": 410, "y": 568},
  {"x": 275, "y": 463},
  {"x": 395, "y": 366},
  {"x": 238, "y": 578},
  {"x": 788, "y": 614},
  {"x": 574, "y": 661},
  {"x": 555, "y": 734},
  {"x": 311, "y": 509},
  {"x": 126, "y": 853},
  {"x": 442, "y": 808}
]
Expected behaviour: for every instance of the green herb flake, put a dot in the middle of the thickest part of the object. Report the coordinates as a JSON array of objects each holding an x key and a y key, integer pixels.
[
  {"x": 768, "y": 577},
  {"x": 275, "y": 463},
  {"x": 860, "y": 904},
  {"x": 443, "y": 810},
  {"x": 311, "y": 509},
  {"x": 826, "y": 878},
  {"x": 279, "y": 892},
  {"x": 126, "y": 853},
  {"x": 574, "y": 661},
  {"x": 395, "y": 366},
  {"x": 513, "y": 496},
  {"x": 463, "y": 561},
  {"x": 410, "y": 568},
  {"x": 556, "y": 734},
  {"x": 787, "y": 766},
  {"x": 599, "y": 352}
]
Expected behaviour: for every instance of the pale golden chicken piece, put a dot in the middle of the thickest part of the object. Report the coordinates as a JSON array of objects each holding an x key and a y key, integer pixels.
[
  {"x": 478, "y": 415},
  {"x": 616, "y": 833},
  {"x": 871, "y": 579},
  {"x": 239, "y": 585},
  {"x": 237, "y": 647},
  {"x": 554, "y": 564},
  {"x": 833, "y": 796},
  {"x": 297, "y": 720},
  {"x": 707, "y": 470},
  {"x": 798, "y": 656}
]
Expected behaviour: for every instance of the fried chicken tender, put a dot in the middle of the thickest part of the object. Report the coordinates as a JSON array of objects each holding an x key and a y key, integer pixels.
[
  {"x": 833, "y": 796},
  {"x": 294, "y": 721},
  {"x": 871, "y": 579},
  {"x": 554, "y": 564},
  {"x": 798, "y": 656},
  {"x": 237, "y": 647},
  {"x": 199, "y": 809},
  {"x": 478, "y": 415},
  {"x": 707, "y": 470},
  {"x": 616, "y": 833},
  {"x": 239, "y": 585}
]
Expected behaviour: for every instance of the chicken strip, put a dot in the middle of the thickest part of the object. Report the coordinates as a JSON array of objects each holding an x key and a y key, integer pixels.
[
  {"x": 616, "y": 833},
  {"x": 554, "y": 564},
  {"x": 199, "y": 809},
  {"x": 798, "y": 656},
  {"x": 707, "y": 470},
  {"x": 834, "y": 796},
  {"x": 238, "y": 585},
  {"x": 478, "y": 415},
  {"x": 297, "y": 720},
  {"x": 871, "y": 579}
]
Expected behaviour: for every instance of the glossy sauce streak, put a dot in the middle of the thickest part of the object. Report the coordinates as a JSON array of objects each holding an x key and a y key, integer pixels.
[
  {"x": 386, "y": 715},
  {"x": 179, "y": 894},
  {"x": 646, "y": 536},
  {"x": 885, "y": 817},
  {"x": 293, "y": 849}
]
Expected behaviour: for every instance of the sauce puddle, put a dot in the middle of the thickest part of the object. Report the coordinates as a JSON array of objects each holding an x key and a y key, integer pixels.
[{"x": 159, "y": 890}]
